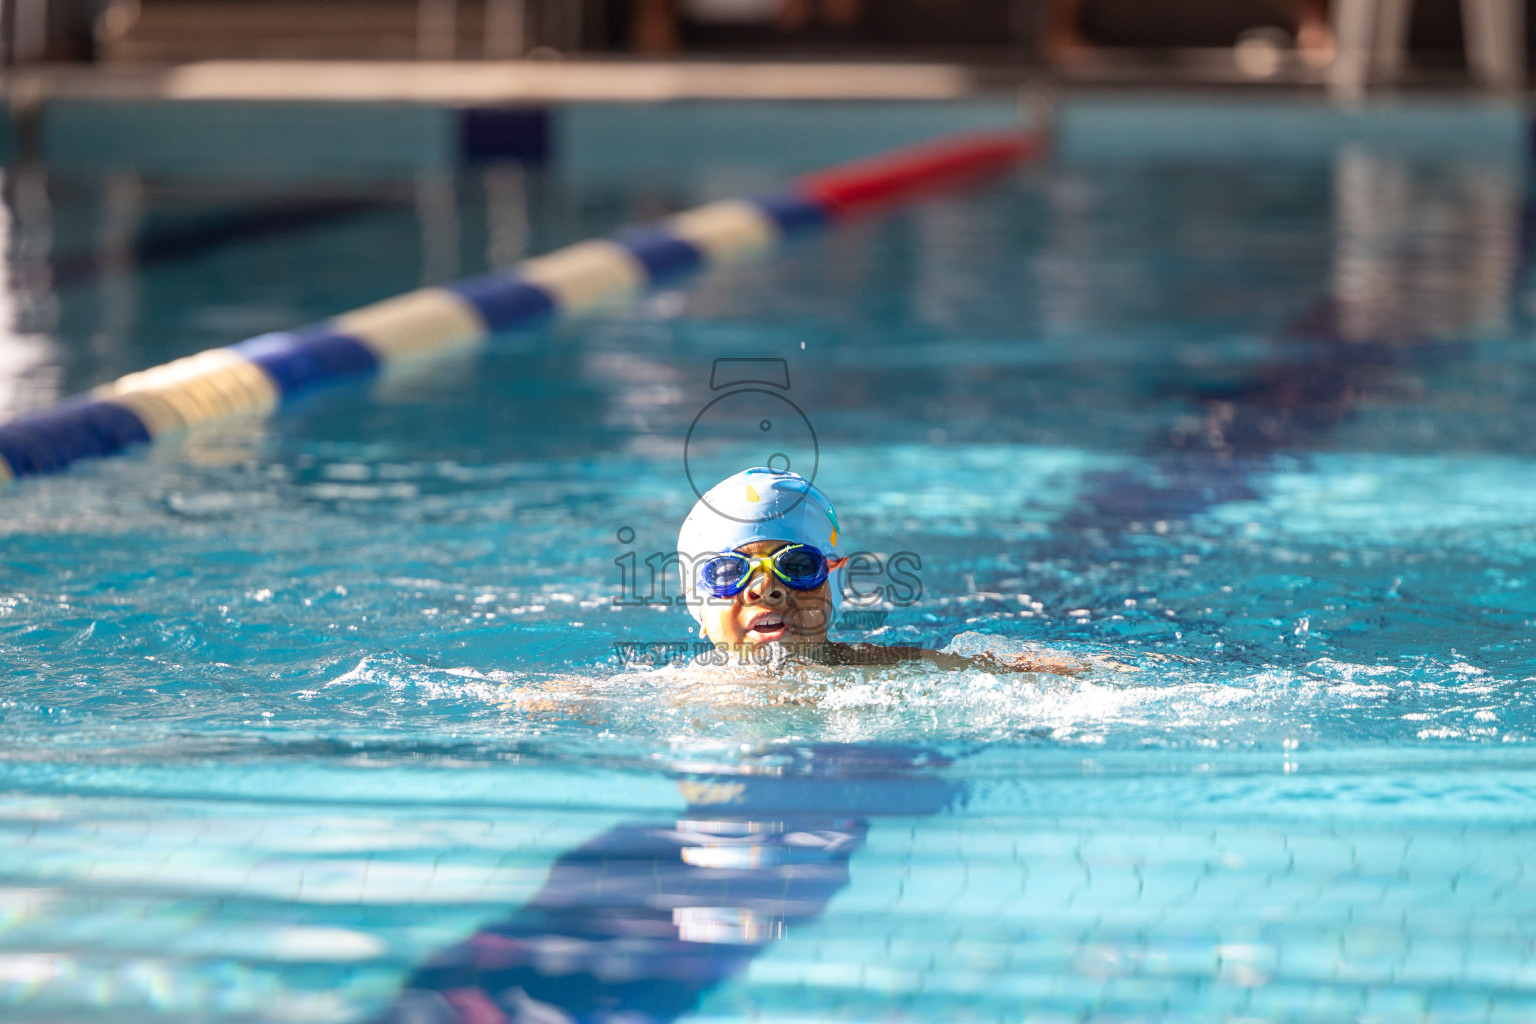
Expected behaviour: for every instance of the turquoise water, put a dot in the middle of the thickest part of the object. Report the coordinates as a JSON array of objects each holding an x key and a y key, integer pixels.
[{"x": 322, "y": 719}]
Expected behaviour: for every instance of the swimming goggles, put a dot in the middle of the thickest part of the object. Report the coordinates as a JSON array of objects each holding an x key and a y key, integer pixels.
[{"x": 800, "y": 566}]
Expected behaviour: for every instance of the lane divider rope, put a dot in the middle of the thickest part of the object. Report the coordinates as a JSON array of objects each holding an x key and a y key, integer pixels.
[{"x": 257, "y": 377}]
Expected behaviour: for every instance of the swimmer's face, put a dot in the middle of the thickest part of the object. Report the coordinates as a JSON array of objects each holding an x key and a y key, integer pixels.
[{"x": 768, "y": 610}]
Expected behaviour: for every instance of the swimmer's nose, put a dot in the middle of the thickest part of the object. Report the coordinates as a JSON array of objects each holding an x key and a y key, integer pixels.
[{"x": 764, "y": 588}]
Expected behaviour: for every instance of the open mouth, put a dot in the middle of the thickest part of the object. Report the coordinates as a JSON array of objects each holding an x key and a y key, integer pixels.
[{"x": 767, "y": 626}]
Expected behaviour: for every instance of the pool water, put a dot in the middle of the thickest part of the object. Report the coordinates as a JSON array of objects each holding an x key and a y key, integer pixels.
[{"x": 330, "y": 718}]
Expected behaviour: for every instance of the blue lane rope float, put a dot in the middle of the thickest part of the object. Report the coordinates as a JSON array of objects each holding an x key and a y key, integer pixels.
[{"x": 255, "y": 378}]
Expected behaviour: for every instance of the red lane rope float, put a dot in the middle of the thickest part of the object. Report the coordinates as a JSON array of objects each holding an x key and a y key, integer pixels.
[{"x": 866, "y": 185}]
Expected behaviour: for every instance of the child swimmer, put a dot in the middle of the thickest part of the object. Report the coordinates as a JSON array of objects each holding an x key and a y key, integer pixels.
[{"x": 761, "y": 563}]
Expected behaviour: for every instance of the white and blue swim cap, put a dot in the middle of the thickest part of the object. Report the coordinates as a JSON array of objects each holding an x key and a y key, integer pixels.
[{"x": 759, "y": 504}]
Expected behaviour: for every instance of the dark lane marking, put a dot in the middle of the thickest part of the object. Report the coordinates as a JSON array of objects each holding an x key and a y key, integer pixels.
[
  {"x": 214, "y": 231},
  {"x": 636, "y": 925}
]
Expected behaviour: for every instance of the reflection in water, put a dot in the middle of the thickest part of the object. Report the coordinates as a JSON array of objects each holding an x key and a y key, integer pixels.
[
  {"x": 635, "y": 925},
  {"x": 1419, "y": 264},
  {"x": 506, "y": 213},
  {"x": 1422, "y": 255},
  {"x": 29, "y": 376},
  {"x": 116, "y": 264},
  {"x": 437, "y": 211},
  {"x": 1421, "y": 260}
]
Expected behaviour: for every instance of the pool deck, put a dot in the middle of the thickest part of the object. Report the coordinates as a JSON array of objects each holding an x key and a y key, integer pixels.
[
  {"x": 482, "y": 82},
  {"x": 574, "y": 80}
]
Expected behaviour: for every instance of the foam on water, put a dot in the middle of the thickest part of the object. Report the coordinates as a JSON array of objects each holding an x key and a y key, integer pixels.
[{"x": 149, "y": 590}]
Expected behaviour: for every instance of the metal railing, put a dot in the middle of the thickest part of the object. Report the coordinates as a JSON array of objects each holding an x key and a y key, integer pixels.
[
  {"x": 23, "y": 29},
  {"x": 1372, "y": 42}
]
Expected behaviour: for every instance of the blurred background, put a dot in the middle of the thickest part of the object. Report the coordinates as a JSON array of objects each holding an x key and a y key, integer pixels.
[{"x": 1237, "y": 40}]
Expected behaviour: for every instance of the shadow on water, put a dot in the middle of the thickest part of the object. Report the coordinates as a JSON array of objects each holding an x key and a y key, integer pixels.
[
  {"x": 1424, "y": 261},
  {"x": 637, "y": 924},
  {"x": 1289, "y": 404}
]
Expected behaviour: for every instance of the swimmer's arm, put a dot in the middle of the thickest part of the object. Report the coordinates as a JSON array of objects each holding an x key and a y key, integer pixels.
[
  {"x": 1033, "y": 661},
  {"x": 1030, "y": 661}
]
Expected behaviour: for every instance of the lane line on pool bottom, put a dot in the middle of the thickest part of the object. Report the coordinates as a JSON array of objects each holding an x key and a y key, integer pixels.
[{"x": 258, "y": 376}]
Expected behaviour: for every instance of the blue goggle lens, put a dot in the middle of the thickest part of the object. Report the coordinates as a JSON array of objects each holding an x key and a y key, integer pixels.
[
  {"x": 800, "y": 566},
  {"x": 724, "y": 575}
]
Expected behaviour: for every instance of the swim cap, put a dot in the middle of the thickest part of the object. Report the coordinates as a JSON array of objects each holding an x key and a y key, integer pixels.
[{"x": 759, "y": 504}]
